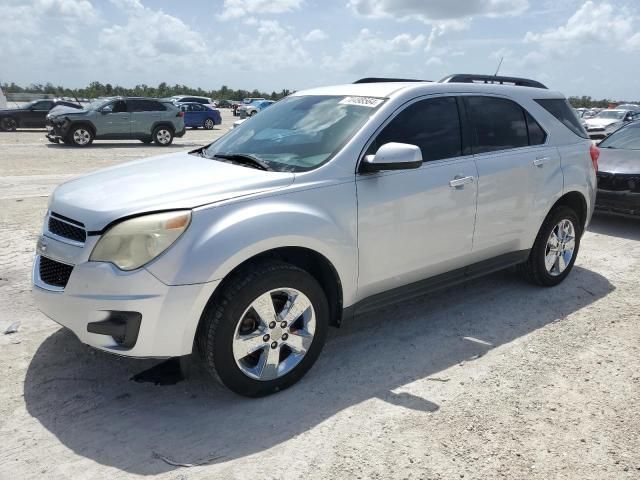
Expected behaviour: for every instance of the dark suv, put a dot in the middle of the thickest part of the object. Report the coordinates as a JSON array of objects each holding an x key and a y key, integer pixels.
[
  {"x": 30, "y": 115},
  {"x": 119, "y": 118}
]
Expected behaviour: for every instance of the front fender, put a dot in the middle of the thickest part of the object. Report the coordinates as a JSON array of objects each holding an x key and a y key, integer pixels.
[{"x": 221, "y": 238}]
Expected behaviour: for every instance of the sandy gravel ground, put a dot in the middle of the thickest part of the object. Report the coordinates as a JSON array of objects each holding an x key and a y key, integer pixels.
[{"x": 491, "y": 379}]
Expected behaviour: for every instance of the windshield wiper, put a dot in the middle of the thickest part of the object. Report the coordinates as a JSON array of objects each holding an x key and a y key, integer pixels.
[{"x": 245, "y": 159}]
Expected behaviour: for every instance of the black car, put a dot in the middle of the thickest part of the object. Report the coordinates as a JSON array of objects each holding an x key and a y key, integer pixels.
[
  {"x": 30, "y": 115},
  {"x": 619, "y": 172}
]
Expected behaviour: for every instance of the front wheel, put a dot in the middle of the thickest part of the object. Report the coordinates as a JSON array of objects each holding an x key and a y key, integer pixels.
[
  {"x": 265, "y": 330},
  {"x": 80, "y": 136},
  {"x": 163, "y": 136},
  {"x": 555, "y": 249}
]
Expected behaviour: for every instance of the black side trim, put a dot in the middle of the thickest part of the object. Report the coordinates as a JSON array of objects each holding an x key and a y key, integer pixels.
[
  {"x": 122, "y": 326},
  {"x": 422, "y": 287}
]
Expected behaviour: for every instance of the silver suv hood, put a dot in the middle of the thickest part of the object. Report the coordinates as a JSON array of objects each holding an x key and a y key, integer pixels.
[{"x": 173, "y": 181}]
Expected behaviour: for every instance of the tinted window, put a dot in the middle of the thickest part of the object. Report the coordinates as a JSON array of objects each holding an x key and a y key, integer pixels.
[
  {"x": 498, "y": 124},
  {"x": 433, "y": 125},
  {"x": 44, "y": 105},
  {"x": 537, "y": 135},
  {"x": 145, "y": 106},
  {"x": 560, "y": 108},
  {"x": 119, "y": 106}
]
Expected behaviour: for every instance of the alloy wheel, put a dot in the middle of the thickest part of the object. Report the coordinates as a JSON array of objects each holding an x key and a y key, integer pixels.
[
  {"x": 9, "y": 124},
  {"x": 274, "y": 334},
  {"x": 81, "y": 136},
  {"x": 560, "y": 247},
  {"x": 208, "y": 124},
  {"x": 163, "y": 136}
]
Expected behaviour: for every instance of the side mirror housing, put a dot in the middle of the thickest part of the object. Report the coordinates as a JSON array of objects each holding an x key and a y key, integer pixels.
[{"x": 393, "y": 156}]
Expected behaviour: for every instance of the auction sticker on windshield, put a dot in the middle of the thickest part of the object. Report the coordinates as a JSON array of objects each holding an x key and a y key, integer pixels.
[{"x": 370, "y": 102}]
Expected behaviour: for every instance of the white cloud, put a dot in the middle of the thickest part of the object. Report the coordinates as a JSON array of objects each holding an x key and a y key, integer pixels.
[
  {"x": 315, "y": 35},
  {"x": 593, "y": 23},
  {"x": 434, "y": 61},
  {"x": 433, "y": 11},
  {"x": 239, "y": 8},
  {"x": 367, "y": 51}
]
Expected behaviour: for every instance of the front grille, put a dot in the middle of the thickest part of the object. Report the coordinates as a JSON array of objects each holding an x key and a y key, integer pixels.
[
  {"x": 618, "y": 182},
  {"x": 65, "y": 228},
  {"x": 54, "y": 273}
]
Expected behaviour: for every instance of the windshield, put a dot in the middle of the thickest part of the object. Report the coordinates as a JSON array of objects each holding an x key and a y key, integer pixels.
[
  {"x": 99, "y": 103},
  {"x": 627, "y": 138},
  {"x": 615, "y": 114},
  {"x": 298, "y": 133}
]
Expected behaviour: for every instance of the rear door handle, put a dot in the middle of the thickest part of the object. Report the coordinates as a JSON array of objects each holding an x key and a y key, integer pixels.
[
  {"x": 540, "y": 161},
  {"x": 459, "y": 182}
]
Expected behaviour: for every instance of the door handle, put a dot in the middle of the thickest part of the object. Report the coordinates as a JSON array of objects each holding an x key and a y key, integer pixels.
[
  {"x": 459, "y": 181},
  {"x": 540, "y": 161}
]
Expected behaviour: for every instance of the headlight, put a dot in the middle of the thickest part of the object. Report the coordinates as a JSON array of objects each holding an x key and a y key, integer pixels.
[{"x": 133, "y": 243}]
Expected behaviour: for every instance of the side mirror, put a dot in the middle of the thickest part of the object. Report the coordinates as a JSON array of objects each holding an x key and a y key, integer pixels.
[
  {"x": 392, "y": 156},
  {"x": 107, "y": 109}
]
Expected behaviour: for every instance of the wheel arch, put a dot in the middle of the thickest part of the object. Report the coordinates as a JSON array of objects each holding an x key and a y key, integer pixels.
[
  {"x": 82, "y": 123},
  {"x": 163, "y": 123},
  {"x": 577, "y": 202}
]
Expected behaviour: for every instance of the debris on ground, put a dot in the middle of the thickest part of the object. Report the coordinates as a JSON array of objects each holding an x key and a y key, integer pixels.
[{"x": 13, "y": 328}]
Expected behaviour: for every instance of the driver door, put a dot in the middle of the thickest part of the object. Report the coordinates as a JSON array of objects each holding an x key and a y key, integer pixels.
[
  {"x": 415, "y": 224},
  {"x": 114, "y": 121},
  {"x": 37, "y": 113}
]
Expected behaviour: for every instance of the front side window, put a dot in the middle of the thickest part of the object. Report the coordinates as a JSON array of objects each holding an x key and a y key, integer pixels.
[
  {"x": 497, "y": 124},
  {"x": 43, "y": 105},
  {"x": 433, "y": 125},
  {"x": 298, "y": 133}
]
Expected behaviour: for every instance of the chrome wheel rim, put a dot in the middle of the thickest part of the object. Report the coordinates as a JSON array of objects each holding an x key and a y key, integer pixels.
[
  {"x": 560, "y": 247},
  {"x": 274, "y": 334},
  {"x": 81, "y": 136},
  {"x": 208, "y": 124},
  {"x": 163, "y": 136}
]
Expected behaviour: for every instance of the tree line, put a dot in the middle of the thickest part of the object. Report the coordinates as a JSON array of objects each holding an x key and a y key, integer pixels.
[{"x": 97, "y": 89}]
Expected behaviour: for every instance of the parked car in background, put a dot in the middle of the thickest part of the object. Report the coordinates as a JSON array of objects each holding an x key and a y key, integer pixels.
[
  {"x": 254, "y": 107},
  {"x": 117, "y": 118},
  {"x": 608, "y": 121},
  {"x": 334, "y": 201},
  {"x": 198, "y": 115},
  {"x": 223, "y": 103},
  {"x": 619, "y": 171},
  {"x": 3, "y": 99},
  {"x": 191, "y": 99},
  {"x": 32, "y": 114},
  {"x": 629, "y": 106}
]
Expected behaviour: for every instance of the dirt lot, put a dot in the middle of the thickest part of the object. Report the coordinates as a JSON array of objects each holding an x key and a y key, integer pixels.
[{"x": 491, "y": 379}]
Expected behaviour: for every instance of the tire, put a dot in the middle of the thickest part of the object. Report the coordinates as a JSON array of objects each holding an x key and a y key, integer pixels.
[
  {"x": 560, "y": 222},
  {"x": 209, "y": 124},
  {"x": 163, "y": 136},
  {"x": 8, "y": 124},
  {"x": 251, "y": 113},
  {"x": 220, "y": 336},
  {"x": 80, "y": 136}
]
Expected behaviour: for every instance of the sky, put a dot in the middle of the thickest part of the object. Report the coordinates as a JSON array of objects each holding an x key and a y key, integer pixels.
[{"x": 578, "y": 47}]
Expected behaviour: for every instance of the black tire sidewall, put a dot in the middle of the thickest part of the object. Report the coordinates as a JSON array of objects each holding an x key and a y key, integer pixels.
[
  {"x": 552, "y": 220},
  {"x": 227, "y": 370}
]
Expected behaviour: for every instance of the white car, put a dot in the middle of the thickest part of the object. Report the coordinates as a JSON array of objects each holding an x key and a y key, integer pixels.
[
  {"x": 608, "y": 121},
  {"x": 332, "y": 202}
]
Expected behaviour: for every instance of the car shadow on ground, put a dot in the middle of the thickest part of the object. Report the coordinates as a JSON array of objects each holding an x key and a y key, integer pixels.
[
  {"x": 615, "y": 226},
  {"x": 84, "y": 397},
  {"x": 125, "y": 145}
]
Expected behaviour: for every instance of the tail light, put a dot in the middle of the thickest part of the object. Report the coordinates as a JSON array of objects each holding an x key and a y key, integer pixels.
[
  {"x": 180, "y": 114},
  {"x": 595, "y": 154}
]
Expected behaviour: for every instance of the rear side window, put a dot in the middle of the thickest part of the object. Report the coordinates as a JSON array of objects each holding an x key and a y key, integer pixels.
[
  {"x": 433, "y": 125},
  {"x": 537, "y": 135},
  {"x": 145, "y": 106},
  {"x": 560, "y": 108},
  {"x": 498, "y": 124}
]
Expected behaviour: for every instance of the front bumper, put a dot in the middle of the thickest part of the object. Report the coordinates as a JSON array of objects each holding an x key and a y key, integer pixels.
[
  {"x": 625, "y": 202},
  {"x": 56, "y": 131},
  {"x": 95, "y": 290}
]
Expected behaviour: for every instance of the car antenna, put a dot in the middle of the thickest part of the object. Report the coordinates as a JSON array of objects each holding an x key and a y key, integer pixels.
[{"x": 499, "y": 65}]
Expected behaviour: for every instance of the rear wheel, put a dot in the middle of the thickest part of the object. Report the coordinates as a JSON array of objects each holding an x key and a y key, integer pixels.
[
  {"x": 8, "y": 124},
  {"x": 209, "y": 124},
  {"x": 265, "y": 329},
  {"x": 555, "y": 249},
  {"x": 80, "y": 136},
  {"x": 163, "y": 136}
]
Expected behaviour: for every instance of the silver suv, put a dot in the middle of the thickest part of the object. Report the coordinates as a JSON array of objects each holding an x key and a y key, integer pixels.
[{"x": 332, "y": 202}]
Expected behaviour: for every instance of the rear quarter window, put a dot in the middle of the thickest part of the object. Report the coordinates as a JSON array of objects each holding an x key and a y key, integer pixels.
[{"x": 560, "y": 108}]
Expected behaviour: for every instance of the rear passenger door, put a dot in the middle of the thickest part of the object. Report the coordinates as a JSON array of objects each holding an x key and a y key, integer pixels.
[
  {"x": 144, "y": 114},
  {"x": 515, "y": 169},
  {"x": 414, "y": 224}
]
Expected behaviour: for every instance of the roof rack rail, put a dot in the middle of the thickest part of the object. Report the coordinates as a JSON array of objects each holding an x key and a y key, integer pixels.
[
  {"x": 495, "y": 79},
  {"x": 384, "y": 80}
]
